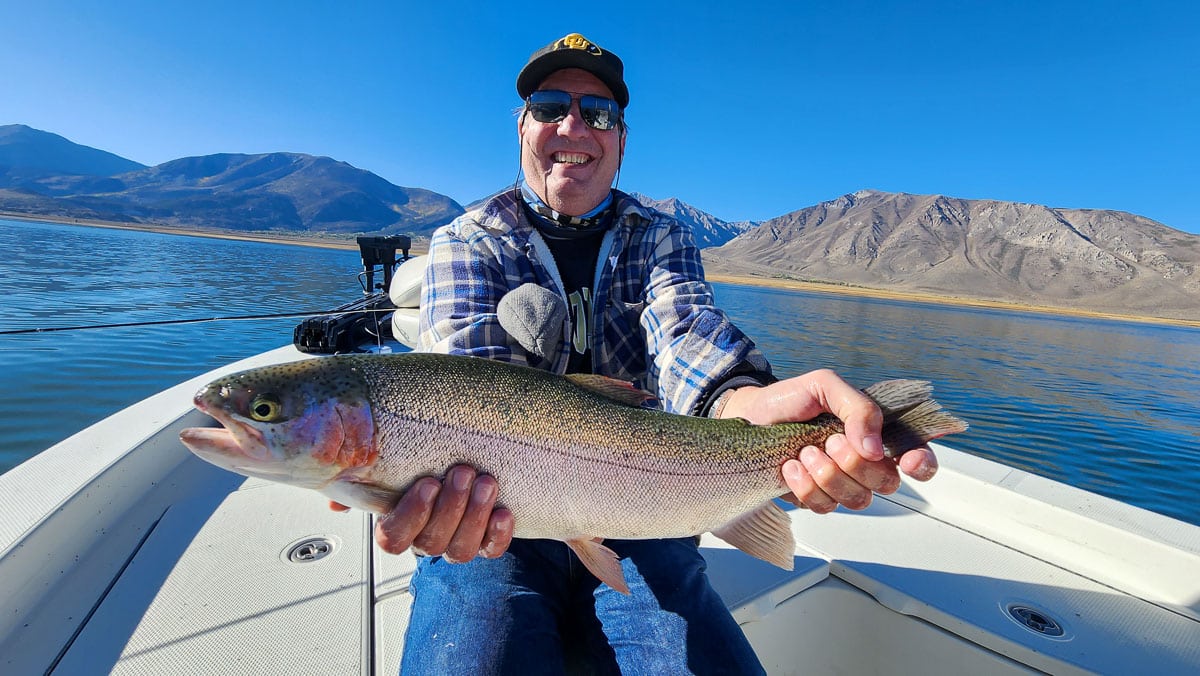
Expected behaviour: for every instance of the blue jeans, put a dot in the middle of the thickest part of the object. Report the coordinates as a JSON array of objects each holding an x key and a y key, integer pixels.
[{"x": 537, "y": 610}]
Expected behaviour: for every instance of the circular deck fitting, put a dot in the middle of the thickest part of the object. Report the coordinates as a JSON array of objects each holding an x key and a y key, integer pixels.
[
  {"x": 309, "y": 550},
  {"x": 1036, "y": 620}
]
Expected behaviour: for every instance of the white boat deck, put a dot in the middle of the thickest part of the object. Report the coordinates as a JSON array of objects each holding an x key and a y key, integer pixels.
[{"x": 152, "y": 561}]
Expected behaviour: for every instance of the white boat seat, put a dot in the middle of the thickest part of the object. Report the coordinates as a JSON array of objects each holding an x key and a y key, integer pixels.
[
  {"x": 405, "y": 293},
  {"x": 405, "y": 289}
]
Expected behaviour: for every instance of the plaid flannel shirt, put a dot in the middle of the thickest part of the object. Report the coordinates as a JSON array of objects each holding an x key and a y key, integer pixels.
[{"x": 654, "y": 321}]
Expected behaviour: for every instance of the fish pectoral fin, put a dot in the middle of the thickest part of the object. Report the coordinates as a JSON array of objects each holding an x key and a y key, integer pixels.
[
  {"x": 601, "y": 562},
  {"x": 765, "y": 532},
  {"x": 362, "y": 495},
  {"x": 620, "y": 391}
]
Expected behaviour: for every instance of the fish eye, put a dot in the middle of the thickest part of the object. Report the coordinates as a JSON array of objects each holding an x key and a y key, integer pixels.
[{"x": 265, "y": 408}]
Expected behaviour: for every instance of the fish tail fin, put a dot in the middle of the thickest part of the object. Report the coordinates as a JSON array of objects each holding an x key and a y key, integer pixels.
[{"x": 910, "y": 417}]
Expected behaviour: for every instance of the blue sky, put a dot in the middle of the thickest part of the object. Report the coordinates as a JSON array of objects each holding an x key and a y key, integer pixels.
[{"x": 746, "y": 110}]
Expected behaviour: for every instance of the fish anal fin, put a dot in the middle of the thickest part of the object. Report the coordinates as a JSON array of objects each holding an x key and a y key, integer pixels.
[
  {"x": 362, "y": 495},
  {"x": 601, "y": 562},
  {"x": 765, "y": 532},
  {"x": 620, "y": 391}
]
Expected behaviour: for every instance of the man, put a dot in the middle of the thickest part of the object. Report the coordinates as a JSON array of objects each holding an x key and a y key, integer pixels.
[{"x": 638, "y": 310}]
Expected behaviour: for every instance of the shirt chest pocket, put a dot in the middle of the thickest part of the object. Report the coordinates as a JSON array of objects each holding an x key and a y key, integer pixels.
[
  {"x": 626, "y": 315},
  {"x": 623, "y": 352}
]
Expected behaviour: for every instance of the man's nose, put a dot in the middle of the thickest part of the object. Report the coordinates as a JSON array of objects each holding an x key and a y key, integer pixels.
[{"x": 573, "y": 125}]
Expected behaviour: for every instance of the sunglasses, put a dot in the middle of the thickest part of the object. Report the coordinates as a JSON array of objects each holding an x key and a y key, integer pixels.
[{"x": 552, "y": 105}]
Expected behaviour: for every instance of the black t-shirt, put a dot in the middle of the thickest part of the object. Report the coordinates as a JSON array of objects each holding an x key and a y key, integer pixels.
[{"x": 575, "y": 251}]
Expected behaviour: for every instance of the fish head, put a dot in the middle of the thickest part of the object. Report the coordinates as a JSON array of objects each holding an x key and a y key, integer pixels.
[{"x": 302, "y": 423}]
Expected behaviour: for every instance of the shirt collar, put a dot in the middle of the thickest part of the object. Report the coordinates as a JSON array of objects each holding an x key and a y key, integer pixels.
[{"x": 593, "y": 219}]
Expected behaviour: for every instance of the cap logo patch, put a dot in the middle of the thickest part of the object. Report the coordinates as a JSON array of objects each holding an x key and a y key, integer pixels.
[{"x": 577, "y": 41}]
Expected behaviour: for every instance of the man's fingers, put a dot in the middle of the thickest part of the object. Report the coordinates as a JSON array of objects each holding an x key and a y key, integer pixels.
[
  {"x": 467, "y": 540},
  {"x": 831, "y": 478},
  {"x": 860, "y": 416},
  {"x": 806, "y": 490},
  {"x": 448, "y": 512},
  {"x": 456, "y": 518},
  {"x": 807, "y": 396},
  {"x": 879, "y": 476},
  {"x": 919, "y": 463},
  {"x": 499, "y": 534},
  {"x": 396, "y": 530}
]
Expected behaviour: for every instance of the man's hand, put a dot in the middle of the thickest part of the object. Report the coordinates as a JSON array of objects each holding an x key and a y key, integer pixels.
[
  {"x": 456, "y": 519},
  {"x": 851, "y": 466}
]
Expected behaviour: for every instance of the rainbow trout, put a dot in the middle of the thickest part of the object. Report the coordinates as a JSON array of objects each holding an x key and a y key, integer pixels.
[{"x": 576, "y": 458}]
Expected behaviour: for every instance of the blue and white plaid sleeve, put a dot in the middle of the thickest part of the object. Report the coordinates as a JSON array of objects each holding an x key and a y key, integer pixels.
[
  {"x": 692, "y": 345},
  {"x": 464, "y": 282}
]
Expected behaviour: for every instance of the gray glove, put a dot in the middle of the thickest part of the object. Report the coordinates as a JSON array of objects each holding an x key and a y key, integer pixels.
[{"x": 533, "y": 316}]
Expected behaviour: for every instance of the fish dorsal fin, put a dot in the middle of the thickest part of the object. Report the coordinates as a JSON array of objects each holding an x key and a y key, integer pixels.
[
  {"x": 620, "y": 391},
  {"x": 601, "y": 562},
  {"x": 765, "y": 532}
]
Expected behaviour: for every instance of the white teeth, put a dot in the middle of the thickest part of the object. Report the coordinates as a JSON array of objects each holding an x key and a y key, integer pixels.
[{"x": 571, "y": 158}]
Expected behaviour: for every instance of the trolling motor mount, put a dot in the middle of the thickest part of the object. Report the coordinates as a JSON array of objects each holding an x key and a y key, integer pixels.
[{"x": 367, "y": 319}]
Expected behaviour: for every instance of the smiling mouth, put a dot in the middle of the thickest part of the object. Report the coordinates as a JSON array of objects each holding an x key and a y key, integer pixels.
[{"x": 572, "y": 158}]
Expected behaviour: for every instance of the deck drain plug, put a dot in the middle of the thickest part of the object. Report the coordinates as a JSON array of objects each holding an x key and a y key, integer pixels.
[
  {"x": 1036, "y": 621},
  {"x": 312, "y": 549}
]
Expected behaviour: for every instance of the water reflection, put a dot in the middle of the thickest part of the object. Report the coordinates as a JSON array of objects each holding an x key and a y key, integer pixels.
[
  {"x": 1108, "y": 406},
  {"x": 63, "y": 275}
]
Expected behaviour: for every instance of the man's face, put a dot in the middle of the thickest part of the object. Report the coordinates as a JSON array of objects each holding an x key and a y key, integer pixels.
[{"x": 567, "y": 163}]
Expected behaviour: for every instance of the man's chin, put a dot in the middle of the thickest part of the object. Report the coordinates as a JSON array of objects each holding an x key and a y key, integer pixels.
[{"x": 573, "y": 196}]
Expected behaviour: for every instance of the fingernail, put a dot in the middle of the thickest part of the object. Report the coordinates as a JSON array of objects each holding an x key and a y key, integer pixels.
[
  {"x": 873, "y": 447},
  {"x": 809, "y": 455},
  {"x": 428, "y": 490},
  {"x": 483, "y": 491},
  {"x": 460, "y": 479}
]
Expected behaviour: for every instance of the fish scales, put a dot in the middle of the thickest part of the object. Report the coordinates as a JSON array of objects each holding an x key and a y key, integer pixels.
[
  {"x": 570, "y": 461},
  {"x": 576, "y": 458}
]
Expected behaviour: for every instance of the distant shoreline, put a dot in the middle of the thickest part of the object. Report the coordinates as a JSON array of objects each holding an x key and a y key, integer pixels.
[
  {"x": 324, "y": 242},
  {"x": 336, "y": 242},
  {"x": 933, "y": 299}
]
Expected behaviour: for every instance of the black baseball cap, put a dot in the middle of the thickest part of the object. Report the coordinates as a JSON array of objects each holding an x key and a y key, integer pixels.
[{"x": 574, "y": 51}]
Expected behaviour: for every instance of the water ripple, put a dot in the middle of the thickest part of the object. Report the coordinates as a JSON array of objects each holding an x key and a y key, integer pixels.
[
  {"x": 1108, "y": 406},
  {"x": 1111, "y": 407}
]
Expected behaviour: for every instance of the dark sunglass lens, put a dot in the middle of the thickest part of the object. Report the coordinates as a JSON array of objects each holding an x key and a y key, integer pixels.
[
  {"x": 549, "y": 105},
  {"x": 548, "y": 112},
  {"x": 600, "y": 113}
]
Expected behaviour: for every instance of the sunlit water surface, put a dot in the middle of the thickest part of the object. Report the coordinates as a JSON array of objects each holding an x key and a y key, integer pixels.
[{"x": 1111, "y": 407}]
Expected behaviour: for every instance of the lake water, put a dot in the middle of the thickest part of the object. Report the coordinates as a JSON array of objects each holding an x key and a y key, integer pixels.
[{"x": 1112, "y": 407}]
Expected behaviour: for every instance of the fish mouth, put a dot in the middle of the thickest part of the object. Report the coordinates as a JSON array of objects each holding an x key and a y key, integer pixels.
[{"x": 234, "y": 440}]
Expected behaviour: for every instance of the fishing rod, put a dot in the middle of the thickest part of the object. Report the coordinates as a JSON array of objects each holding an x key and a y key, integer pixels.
[{"x": 194, "y": 320}]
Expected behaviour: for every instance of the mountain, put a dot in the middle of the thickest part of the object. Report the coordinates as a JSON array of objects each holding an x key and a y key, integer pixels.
[
  {"x": 29, "y": 152},
  {"x": 986, "y": 249},
  {"x": 50, "y": 176},
  {"x": 1088, "y": 259},
  {"x": 708, "y": 229}
]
